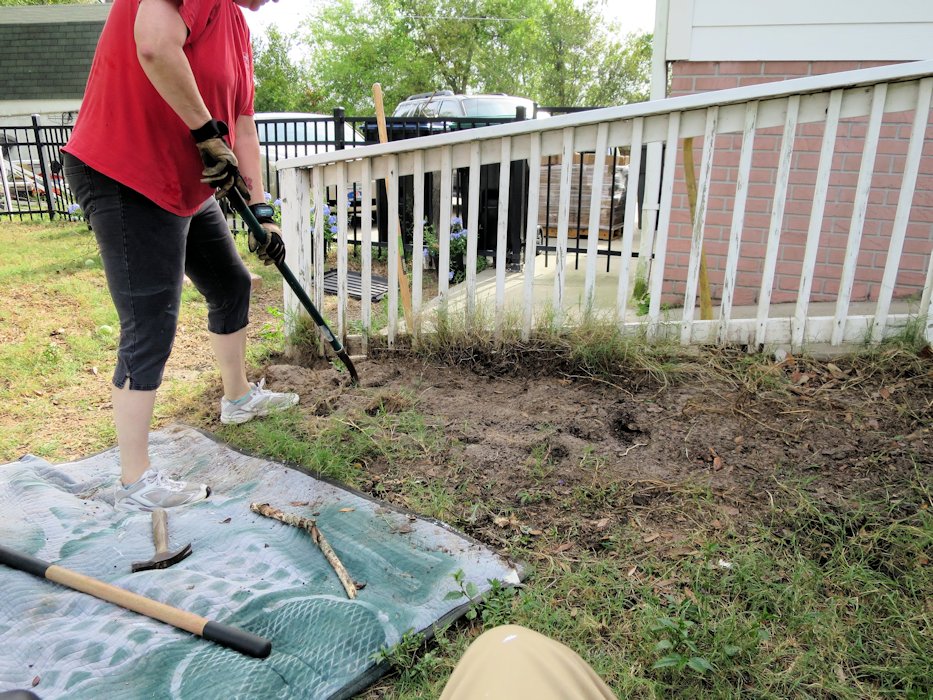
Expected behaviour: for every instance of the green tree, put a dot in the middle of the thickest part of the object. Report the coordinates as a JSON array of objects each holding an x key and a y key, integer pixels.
[
  {"x": 282, "y": 84},
  {"x": 557, "y": 52}
]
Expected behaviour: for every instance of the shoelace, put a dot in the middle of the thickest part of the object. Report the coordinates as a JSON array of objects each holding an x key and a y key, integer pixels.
[
  {"x": 163, "y": 481},
  {"x": 260, "y": 387}
]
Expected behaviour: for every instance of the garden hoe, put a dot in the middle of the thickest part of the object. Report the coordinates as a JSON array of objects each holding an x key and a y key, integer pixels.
[{"x": 239, "y": 205}]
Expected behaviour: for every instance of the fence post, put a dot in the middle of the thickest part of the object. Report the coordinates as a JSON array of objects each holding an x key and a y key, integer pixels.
[
  {"x": 42, "y": 168},
  {"x": 339, "y": 121}
]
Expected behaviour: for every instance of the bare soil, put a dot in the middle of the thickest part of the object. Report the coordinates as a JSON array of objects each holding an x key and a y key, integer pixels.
[{"x": 547, "y": 452}]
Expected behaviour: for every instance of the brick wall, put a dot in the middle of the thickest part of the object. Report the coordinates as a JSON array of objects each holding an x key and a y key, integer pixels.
[
  {"x": 694, "y": 77},
  {"x": 46, "y": 61}
]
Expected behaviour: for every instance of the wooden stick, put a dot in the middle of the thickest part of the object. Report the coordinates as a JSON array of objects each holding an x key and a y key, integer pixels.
[{"x": 310, "y": 525}]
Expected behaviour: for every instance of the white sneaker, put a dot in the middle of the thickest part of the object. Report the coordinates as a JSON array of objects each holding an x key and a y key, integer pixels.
[
  {"x": 258, "y": 402},
  {"x": 155, "y": 490}
]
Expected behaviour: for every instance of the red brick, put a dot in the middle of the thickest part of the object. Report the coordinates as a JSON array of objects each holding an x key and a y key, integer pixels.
[
  {"x": 787, "y": 68},
  {"x": 715, "y": 83},
  {"x": 740, "y": 68}
]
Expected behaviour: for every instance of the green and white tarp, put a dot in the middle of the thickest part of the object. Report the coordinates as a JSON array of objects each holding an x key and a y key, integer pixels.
[{"x": 246, "y": 570}]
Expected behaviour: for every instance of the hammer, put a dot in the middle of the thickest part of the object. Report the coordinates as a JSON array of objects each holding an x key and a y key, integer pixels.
[{"x": 162, "y": 558}]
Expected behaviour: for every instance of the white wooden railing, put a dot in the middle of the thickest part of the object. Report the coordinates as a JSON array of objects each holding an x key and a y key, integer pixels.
[{"x": 866, "y": 95}]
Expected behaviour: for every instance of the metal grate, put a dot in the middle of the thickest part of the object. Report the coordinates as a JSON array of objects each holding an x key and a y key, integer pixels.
[{"x": 378, "y": 288}]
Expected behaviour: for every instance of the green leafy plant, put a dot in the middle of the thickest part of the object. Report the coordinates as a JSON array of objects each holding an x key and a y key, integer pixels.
[
  {"x": 678, "y": 642},
  {"x": 330, "y": 220},
  {"x": 465, "y": 589}
]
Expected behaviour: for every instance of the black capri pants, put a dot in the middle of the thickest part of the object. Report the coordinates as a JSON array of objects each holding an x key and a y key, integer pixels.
[{"x": 146, "y": 251}]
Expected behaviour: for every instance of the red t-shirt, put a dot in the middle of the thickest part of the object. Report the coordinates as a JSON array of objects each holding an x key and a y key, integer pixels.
[{"x": 125, "y": 129}]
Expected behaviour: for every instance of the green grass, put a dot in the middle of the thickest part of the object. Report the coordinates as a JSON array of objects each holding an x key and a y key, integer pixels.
[{"x": 803, "y": 600}]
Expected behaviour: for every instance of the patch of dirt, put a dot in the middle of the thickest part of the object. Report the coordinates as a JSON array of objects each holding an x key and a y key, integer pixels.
[{"x": 547, "y": 451}]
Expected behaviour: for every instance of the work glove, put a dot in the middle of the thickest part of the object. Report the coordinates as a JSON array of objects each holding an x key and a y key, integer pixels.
[
  {"x": 220, "y": 164},
  {"x": 273, "y": 250}
]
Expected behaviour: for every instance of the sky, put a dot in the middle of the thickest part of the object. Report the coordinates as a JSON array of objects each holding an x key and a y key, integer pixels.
[{"x": 632, "y": 15}]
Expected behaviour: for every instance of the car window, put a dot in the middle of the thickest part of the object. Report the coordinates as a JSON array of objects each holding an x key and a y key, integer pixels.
[
  {"x": 429, "y": 109},
  {"x": 495, "y": 106},
  {"x": 450, "y": 108},
  {"x": 405, "y": 109}
]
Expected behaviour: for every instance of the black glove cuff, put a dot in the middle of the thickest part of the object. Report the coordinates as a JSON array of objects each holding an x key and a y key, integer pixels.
[
  {"x": 263, "y": 212},
  {"x": 211, "y": 130}
]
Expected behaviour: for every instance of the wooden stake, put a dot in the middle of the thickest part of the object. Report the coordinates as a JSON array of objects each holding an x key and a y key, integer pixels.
[
  {"x": 310, "y": 525},
  {"x": 706, "y": 299}
]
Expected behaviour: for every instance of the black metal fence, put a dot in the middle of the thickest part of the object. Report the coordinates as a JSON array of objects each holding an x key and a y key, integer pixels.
[
  {"x": 34, "y": 187},
  {"x": 31, "y": 182}
]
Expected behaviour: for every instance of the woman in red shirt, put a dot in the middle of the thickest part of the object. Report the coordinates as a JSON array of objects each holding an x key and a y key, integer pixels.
[{"x": 150, "y": 150}]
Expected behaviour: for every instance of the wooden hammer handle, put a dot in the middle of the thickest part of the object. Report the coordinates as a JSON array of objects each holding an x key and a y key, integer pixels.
[
  {"x": 160, "y": 530},
  {"x": 232, "y": 637}
]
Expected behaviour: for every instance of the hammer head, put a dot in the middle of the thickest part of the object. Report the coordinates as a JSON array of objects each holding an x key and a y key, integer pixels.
[{"x": 162, "y": 560}]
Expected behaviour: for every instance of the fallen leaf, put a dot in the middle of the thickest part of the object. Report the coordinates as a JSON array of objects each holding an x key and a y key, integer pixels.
[
  {"x": 651, "y": 538},
  {"x": 654, "y": 409},
  {"x": 717, "y": 523},
  {"x": 835, "y": 371},
  {"x": 691, "y": 595},
  {"x": 884, "y": 393},
  {"x": 717, "y": 463},
  {"x": 730, "y": 510},
  {"x": 225, "y": 521},
  {"x": 802, "y": 379},
  {"x": 536, "y": 533},
  {"x": 563, "y": 547},
  {"x": 501, "y": 521},
  {"x": 346, "y": 510},
  {"x": 602, "y": 523},
  {"x": 360, "y": 585},
  {"x": 665, "y": 583},
  {"x": 403, "y": 529},
  {"x": 738, "y": 440},
  {"x": 631, "y": 572},
  {"x": 35, "y": 681},
  {"x": 298, "y": 504}
]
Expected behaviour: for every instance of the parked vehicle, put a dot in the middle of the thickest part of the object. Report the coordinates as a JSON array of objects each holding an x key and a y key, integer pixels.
[{"x": 444, "y": 103}]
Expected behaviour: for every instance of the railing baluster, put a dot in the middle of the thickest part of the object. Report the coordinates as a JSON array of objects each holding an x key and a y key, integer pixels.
[
  {"x": 777, "y": 219},
  {"x": 417, "y": 241},
  {"x": 904, "y": 202},
  {"x": 738, "y": 220},
  {"x": 505, "y": 181},
  {"x": 664, "y": 223},
  {"x": 859, "y": 208},
  {"x": 531, "y": 232},
  {"x": 443, "y": 230},
  {"x": 563, "y": 222},
  {"x": 820, "y": 190},
  {"x": 366, "y": 249},
  {"x": 320, "y": 201},
  {"x": 472, "y": 230},
  {"x": 926, "y": 310},
  {"x": 342, "y": 258},
  {"x": 699, "y": 222},
  {"x": 393, "y": 253},
  {"x": 596, "y": 201},
  {"x": 630, "y": 224},
  {"x": 295, "y": 208}
]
